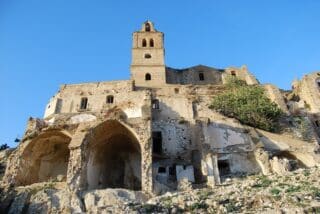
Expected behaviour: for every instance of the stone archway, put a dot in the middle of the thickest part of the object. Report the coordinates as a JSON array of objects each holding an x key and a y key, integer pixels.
[
  {"x": 113, "y": 158},
  {"x": 44, "y": 158}
]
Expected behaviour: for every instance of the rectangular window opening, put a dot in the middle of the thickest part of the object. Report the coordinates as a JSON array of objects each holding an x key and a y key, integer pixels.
[
  {"x": 162, "y": 169},
  {"x": 84, "y": 103},
  {"x": 155, "y": 104},
  {"x": 201, "y": 76},
  {"x": 110, "y": 99},
  {"x": 157, "y": 142}
]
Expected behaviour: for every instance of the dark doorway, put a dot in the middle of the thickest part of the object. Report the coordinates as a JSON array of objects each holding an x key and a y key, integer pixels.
[{"x": 224, "y": 167}]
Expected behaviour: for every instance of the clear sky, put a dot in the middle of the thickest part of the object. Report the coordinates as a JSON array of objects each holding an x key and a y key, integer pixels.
[{"x": 47, "y": 43}]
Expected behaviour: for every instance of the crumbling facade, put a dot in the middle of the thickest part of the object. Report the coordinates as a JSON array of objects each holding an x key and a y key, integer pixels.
[{"x": 156, "y": 129}]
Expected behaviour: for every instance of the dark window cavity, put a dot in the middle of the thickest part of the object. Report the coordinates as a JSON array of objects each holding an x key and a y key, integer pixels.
[
  {"x": 147, "y": 56},
  {"x": 155, "y": 104},
  {"x": 151, "y": 43},
  {"x": 224, "y": 167},
  {"x": 201, "y": 76},
  {"x": 148, "y": 77},
  {"x": 157, "y": 142},
  {"x": 162, "y": 169},
  {"x": 84, "y": 103},
  {"x": 144, "y": 43},
  {"x": 110, "y": 99},
  {"x": 147, "y": 27}
]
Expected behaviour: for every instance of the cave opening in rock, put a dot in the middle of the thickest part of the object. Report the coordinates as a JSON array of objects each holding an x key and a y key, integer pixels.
[
  {"x": 114, "y": 158},
  {"x": 45, "y": 159}
]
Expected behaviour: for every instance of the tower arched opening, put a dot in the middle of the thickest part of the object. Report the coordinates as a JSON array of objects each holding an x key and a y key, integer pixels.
[
  {"x": 144, "y": 43},
  {"x": 114, "y": 159},
  {"x": 147, "y": 27},
  {"x": 151, "y": 43}
]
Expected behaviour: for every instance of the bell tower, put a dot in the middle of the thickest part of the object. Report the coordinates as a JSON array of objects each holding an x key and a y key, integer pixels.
[{"x": 147, "y": 64}]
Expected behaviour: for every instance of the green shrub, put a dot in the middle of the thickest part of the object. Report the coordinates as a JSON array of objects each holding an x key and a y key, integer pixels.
[
  {"x": 263, "y": 182},
  {"x": 292, "y": 189},
  {"x": 3, "y": 147},
  {"x": 275, "y": 191},
  {"x": 248, "y": 104},
  {"x": 315, "y": 192}
]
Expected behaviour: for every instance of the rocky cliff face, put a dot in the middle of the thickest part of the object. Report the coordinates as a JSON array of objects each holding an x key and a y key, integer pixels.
[{"x": 293, "y": 192}]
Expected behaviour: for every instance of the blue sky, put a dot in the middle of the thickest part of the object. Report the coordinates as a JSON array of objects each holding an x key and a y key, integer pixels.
[{"x": 47, "y": 43}]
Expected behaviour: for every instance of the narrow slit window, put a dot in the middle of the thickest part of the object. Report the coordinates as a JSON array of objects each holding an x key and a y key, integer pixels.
[
  {"x": 84, "y": 103},
  {"x": 110, "y": 99},
  {"x": 157, "y": 142},
  {"x": 201, "y": 76}
]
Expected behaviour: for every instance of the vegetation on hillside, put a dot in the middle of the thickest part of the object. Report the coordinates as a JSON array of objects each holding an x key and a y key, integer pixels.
[
  {"x": 3, "y": 147},
  {"x": 248, "y": 104}
]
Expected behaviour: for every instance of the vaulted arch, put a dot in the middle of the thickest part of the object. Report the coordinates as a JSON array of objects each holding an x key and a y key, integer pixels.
[
  {"x": 45, "y": 158},
  {"x": 114, "y": 157}
]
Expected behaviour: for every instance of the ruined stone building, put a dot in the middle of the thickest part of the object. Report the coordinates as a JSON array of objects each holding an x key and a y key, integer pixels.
[{"x": 150, "y": 132}]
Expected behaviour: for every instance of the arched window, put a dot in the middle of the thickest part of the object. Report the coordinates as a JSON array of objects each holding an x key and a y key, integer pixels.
[
  {"x": 201, "y": 76},
  {"x": 148, "y": 77},
  {"x": 109, "y": 99},
  {"x": 144, "y": 43},
  {"x": 233, "y": 73},
  {"x": 84, "y": 103},
  {"x": 147, "y": 27},
  {"x": 147, "y": 56},
  {"x": 151, "y": 43}
]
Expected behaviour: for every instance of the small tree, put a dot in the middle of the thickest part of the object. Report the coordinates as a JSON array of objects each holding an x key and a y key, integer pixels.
[
  {"x": 3, "y": 147},
  {"x": 248, "y": 104}
]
